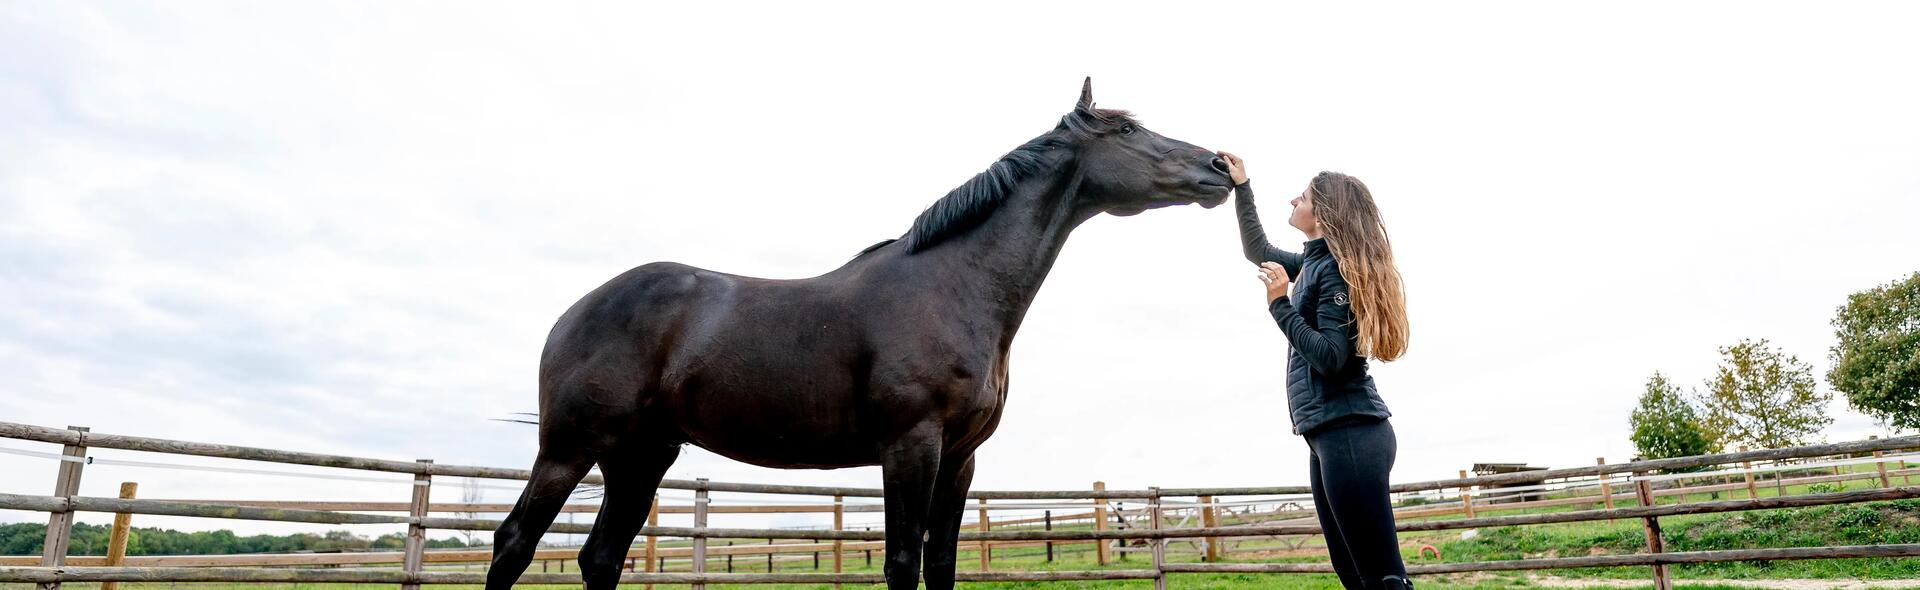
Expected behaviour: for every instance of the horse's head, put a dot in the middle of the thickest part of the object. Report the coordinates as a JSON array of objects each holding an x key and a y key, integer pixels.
[{"x": 1127, "y": 168}]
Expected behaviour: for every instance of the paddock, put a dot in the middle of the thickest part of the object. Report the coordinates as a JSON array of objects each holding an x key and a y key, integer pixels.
[{"x": 1206, "y": 526}]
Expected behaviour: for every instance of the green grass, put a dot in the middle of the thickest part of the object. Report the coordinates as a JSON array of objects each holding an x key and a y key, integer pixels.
[
  {"x": 1857, "y": 524},
  {"x": 1183, "y": 582}
]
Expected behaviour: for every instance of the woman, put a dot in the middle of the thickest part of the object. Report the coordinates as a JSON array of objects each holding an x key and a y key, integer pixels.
[{"x": 1346, "y": 305}]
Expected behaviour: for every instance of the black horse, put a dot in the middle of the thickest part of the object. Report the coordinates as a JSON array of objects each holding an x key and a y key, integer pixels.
[{"x": 898, "y": 358}]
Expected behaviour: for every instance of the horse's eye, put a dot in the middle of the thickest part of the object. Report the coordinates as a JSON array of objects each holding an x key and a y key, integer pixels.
[{"x": 1126, "y": 130}]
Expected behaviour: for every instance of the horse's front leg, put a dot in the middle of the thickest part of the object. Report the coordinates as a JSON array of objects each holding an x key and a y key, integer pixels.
[
  {"x": 909, "y": 467},
  {"x": 943, "y": 522}
]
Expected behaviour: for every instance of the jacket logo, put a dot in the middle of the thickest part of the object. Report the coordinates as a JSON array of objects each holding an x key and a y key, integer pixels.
[{"x": 1339, "y": 298}]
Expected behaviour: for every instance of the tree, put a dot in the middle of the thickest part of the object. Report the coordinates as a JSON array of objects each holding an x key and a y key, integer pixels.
[
  {"x": 1764, "y": 397},
  {"x": 1876, "y": 353},
  {"x": 91, "y": 539},
  {"x": 470, "y": 493},
  {"x": 1666, "y": 425}
]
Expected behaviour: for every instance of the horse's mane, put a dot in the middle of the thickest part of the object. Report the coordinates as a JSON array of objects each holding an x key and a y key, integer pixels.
[{"x": 973, "y": 202}]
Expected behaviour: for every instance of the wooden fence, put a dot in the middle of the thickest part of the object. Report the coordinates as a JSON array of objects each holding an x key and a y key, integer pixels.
[{"x": 1204, "y": 505}]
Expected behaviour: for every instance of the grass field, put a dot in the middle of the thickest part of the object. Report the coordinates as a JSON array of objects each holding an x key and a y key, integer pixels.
[{"x": 1186, "y": 582}]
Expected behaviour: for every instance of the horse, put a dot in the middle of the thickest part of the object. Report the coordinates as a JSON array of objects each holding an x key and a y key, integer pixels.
[{"x": 897, "y": 358}]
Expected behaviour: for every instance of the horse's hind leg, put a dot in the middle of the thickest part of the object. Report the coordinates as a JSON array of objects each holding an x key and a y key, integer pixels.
[
  {"x": 555, "y": 473},
  {"x": 632, "y": 477}
]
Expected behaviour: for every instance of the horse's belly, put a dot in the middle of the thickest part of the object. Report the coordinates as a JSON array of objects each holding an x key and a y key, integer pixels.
[
  {"x": 797, "y": 427},
  {"x": 796, "y": 456},
  {"x": 786, "y": 448}
]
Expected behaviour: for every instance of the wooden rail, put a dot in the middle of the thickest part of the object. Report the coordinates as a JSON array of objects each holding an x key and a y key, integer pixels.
[
  {"x": 110, "y": 441},
  {"x": 55, "y": 567}
]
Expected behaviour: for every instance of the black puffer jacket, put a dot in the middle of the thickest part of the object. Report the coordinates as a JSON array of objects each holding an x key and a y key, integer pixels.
[{"x": 1326, "y": 383}]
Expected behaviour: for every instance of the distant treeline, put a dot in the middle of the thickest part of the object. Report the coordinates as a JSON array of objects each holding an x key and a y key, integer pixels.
[{"x": 89, "y": 539}]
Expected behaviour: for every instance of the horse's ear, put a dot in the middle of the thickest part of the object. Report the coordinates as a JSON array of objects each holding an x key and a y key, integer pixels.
[{"x": 1086, "y": 96}]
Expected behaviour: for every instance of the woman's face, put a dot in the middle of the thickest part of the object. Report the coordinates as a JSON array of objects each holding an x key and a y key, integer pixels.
[{"x": 1302, "y": 218}]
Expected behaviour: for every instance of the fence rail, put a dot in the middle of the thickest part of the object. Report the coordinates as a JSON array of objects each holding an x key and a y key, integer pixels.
[{"x": 1160, "y": 502}]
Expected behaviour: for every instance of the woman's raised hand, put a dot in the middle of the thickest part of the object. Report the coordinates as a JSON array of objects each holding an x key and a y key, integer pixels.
[{"x": 1236, "y": 168}]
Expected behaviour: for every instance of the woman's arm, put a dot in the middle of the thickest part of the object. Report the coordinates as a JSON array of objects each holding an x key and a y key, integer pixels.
[
  {"x": 1328, "y": 348},
  {"x": 1253, "y": 237}
]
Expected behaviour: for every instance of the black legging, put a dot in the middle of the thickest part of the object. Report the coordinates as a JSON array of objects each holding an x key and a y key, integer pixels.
[{"x": 1350, "y": 464}]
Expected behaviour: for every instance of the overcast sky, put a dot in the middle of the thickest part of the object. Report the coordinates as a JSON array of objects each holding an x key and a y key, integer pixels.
[{"x": 346, "y": 228}]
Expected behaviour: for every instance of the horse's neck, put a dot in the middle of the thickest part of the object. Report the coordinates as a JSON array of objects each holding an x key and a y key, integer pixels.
[{"x": 1003, "y": 262}]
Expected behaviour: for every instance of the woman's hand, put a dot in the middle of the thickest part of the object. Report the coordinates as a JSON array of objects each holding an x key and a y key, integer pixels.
[
  {"x": 1236, "y": 168},
  {"x": 1275, "y": 277}
]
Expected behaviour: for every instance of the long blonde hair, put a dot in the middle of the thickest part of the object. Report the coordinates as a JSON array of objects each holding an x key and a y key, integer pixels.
[{"x": 1357, "y": 237}]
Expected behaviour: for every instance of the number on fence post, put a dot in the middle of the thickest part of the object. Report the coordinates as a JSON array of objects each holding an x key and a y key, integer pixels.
[
  {"x": 1159, "y": 544},
  {"x": 1210, "y": 519},
  {"x": 415, "y": 559},
  {"x": 1654, "y": 545},
  {"x": 1466, "y": 496},
  {"x": 1100, "y": 523},
  {"x": 986, "y": 552},
  {"x": 653, "y": 541},
  {"x": 60, "y": 524},
  {"x": 117, "y": 544},
  {"x": 700, "y": 522}
]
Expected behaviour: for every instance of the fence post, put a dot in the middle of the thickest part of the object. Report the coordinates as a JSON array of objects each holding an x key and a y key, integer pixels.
[
  {"x": 1654, "y": 545},
  {"x": 1048, "y": 518},
  {"x": 986, "y": 551},
  {"x": 1466, "y": 496},
  {"x": 1606, "y": 489},
  {"x": 1880, "y": 466},
  {"x": 653, "y": 541},
  {"x": 839, "y": 524},
  {"x": 1159, "y": 545},
  {"x": 700, "y": 522},
  {"x": 1753, "y": 493},
  {"x": 60, "y": 524},
  {"x": 1209, "y": 518},
  {"x": 117, "y": 544},
  {"x": 1779, "y": 479},
  {"x": 1100, "y": 523},
  {"x": 416, "y": 546}
]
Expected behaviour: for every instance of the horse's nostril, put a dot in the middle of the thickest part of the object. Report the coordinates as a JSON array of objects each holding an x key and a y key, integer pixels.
[{"x": 1220, "y": 165}]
